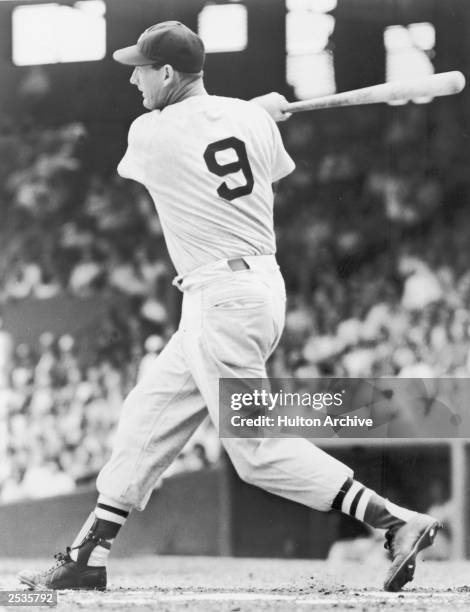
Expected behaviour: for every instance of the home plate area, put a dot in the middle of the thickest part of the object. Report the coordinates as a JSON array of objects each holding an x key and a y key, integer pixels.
[{"x": 213, "y": 584}]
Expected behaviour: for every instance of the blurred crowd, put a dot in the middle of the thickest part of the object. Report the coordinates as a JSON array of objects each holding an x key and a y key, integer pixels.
[
  {"x": 372, "y": 240},
  {"x": 373, "y": 229},
  {"x": 58, "y": 416}
]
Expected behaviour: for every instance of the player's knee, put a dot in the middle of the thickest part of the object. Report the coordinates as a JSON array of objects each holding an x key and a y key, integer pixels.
[
  {"x": 247, "y": 460},
  {"x": 248, "y": 470},
  {"x": 246, "y": 473}
]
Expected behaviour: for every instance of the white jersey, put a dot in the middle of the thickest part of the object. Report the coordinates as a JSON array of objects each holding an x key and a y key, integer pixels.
[{"x": 209, "y": 163}]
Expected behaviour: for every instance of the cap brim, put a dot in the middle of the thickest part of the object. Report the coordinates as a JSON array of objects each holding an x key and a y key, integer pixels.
[{"x": 131, "y": 56}]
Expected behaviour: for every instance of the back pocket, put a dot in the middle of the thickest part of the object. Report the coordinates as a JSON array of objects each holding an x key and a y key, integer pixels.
[{"x": 239, "y": 303}]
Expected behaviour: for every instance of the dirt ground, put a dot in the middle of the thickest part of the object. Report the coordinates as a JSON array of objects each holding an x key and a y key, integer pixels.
[{"x": 169, "y": 584}]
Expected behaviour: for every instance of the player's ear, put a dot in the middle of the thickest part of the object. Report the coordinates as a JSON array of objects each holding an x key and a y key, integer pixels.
[{"x": 168, "y": 72}]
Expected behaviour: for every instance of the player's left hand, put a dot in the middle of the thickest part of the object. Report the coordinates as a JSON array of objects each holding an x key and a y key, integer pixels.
[{"x": 275, "y": 104}]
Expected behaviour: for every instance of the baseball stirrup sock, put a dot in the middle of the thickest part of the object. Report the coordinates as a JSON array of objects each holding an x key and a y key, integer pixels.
[
  {"x": 367, "y": 506},
  {"x": 104, "y": 522}
]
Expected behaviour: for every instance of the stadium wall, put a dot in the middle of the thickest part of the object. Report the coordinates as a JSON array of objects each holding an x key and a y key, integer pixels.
[
  {"x": 212, "y": 512},
  {"x": 27, "y": 319},
  {"x": 186, "y": 516}
]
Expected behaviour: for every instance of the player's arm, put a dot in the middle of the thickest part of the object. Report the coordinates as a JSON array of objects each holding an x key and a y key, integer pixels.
[
  {"x": 275, "y": 104},
  {"x": 281, "y": 162},
  {"x": 133, "y": 164}
]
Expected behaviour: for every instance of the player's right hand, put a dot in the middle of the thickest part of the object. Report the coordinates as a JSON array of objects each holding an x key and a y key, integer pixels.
[{"x": 275, "y": 104}]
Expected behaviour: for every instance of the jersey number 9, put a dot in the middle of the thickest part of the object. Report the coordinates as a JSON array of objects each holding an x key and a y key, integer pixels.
[{"x": 240, "y": 164}]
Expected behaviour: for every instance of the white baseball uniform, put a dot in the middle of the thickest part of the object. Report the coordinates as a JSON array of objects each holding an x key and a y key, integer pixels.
[{"x": 209, "y": 163}]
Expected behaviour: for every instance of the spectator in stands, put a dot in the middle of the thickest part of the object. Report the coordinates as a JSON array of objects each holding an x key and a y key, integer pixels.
[{"x": 87, "y": 273}]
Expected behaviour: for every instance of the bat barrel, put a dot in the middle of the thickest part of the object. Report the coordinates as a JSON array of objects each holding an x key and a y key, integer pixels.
[{"x": 443, "y": 84}]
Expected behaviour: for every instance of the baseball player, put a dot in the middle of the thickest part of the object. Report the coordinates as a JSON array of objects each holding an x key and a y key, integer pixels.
[{"x": 209, "y": 163}]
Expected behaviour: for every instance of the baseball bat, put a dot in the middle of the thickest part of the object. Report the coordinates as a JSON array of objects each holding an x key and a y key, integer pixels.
[{"x": 443, "y": 84}]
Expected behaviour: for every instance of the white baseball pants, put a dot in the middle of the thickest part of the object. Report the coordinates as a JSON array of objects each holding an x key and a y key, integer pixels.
[{"x": 231, "y": 322}]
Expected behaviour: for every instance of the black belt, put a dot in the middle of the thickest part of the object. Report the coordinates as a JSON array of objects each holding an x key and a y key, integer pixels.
[{"x": 238, "y": 264}]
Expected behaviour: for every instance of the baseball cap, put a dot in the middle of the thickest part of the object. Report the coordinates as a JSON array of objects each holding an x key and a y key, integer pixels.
[{"x": 168, "y": 42}]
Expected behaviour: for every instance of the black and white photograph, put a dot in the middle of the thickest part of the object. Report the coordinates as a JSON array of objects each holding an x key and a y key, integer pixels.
[{"x": 235, "y": 305}]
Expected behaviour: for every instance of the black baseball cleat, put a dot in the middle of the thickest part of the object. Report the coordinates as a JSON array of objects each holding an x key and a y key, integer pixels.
[
  {"x": 404, "y": 543},
  {"x": 66, "y": 574},
  {"x": 78, "y": 575}
]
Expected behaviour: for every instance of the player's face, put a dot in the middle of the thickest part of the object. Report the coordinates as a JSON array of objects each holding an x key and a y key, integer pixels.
[{"x": 152, "y": 83}]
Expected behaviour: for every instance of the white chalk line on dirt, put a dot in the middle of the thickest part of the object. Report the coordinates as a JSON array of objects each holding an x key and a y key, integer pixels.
[{"x": 308, "y": 600}]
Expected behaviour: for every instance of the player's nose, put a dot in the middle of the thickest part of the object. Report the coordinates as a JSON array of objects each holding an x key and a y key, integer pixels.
[{"x": 134, "y": 77}]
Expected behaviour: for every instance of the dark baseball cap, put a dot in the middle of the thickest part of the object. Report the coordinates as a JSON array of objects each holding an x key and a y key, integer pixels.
[{"x": 168, "y": 42}]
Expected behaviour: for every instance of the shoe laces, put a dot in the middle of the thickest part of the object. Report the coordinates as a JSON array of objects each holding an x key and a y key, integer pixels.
[{"x": 60, "y": 558}]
